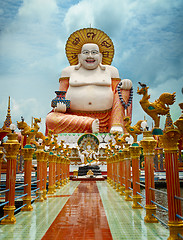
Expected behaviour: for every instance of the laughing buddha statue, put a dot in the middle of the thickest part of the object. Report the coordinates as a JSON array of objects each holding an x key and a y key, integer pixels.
[{"x": 98, "y": 98}]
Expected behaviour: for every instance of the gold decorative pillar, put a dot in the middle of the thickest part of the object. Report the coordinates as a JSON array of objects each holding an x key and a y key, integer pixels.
[
  {"x": 1, "y": 159},
  {"x": 118, "y": 184},
  {"x": 64, "y": 171},
  {"x": 61, "y": 171},
  {"x": 156, "y": 159},
  {"x": 40, "y": 158},
  {"x": 135, "y": 156},
  {"x": 11, "y": 148},
  {"x": 115, "y": 170},
  {"x": 148, "y": 143},
  {"x": 54, "y": 171},
  {"x": 45, "y": 160},
  {"x": 108, "y": 169},
  {"x": 122, "y": 172},
  {"x": 68, "y": 170},
  {"x": 27, "y": 153},
  {"x": 109, "y": 162},
  {"x": 51, "y": 165},
  {"x": 170, "y": 142},
  {"x": 112, "y": 171},
  {"x": 161, "y": 165},
  {"x": 58, "y": 172},
  {"x": 128, "y": 191}
]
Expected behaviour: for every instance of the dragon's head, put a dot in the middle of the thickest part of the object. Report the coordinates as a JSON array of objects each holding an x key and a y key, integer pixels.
[
  {"x": 37, "y": 120},
  {"x": 141, "y": 91},
  {"x": 126, "y": 119}
]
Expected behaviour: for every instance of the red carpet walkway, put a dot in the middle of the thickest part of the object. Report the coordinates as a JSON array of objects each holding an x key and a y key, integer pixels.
[{"x": 82, "y": 218}]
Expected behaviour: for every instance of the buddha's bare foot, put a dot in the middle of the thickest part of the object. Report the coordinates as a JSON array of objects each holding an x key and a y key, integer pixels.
[
  {"x": 118, "y": 129},
  {"x": 95, "y": 126}
]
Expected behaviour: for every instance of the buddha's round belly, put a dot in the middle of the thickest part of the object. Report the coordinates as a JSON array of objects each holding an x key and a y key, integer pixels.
[{"x": 90, "y": 98}]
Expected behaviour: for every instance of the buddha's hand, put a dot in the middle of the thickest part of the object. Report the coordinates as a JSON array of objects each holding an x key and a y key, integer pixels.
[
  {"x": 118, "y": 129},
  {"x": 61, "y": 107},
  {"x": 126, "y": 84}
]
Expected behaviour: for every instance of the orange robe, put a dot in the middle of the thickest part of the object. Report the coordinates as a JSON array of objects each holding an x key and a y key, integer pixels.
[{"x": 81, "y": 122}]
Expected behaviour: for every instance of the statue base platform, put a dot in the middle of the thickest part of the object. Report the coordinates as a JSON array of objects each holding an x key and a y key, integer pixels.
[
  {"x": 88, "y": 178},
  {"x": 82, "y": 171}
]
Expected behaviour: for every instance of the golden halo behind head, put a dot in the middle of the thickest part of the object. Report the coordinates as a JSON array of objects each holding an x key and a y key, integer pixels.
[{"x": 89, "y": 35}]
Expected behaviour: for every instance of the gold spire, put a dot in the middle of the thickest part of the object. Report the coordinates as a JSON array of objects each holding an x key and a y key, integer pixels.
[
  {"x": 169, "y": 122},
  {"x": 8, "y": 121}
]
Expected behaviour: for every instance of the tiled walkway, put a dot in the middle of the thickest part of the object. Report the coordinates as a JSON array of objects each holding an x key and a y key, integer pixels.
[
  {"x": 83, "y": 215},
  {"x": 82, "y": 218}
]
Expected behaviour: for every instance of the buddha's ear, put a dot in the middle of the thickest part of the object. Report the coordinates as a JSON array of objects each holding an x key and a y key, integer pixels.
[
  {"x": 77, "y": 67},
  {"x": 100, "y": 56},
  {"x": 79, "y": 57}
]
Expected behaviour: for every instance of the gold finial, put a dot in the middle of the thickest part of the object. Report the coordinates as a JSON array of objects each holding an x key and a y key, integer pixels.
[
  {"x": 168, "y": 122},
  {"x": 8, "y": 121}
]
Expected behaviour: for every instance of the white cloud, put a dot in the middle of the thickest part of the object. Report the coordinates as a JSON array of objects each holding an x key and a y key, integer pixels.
[
  {"x": 79, "y": 16},
  {"x": 38, "y": 10}
]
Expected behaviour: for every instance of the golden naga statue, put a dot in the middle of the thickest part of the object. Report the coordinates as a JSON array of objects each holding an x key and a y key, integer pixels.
[
  {"x": 28, "y": 131},
  {"x": 60, "y": 148},
  {"x": 54, "y": 142},
  {"x": 133, "y": 130},
  {"x": 66, "y": 151},
  {"x": 46, "y": 140},
  {"x": 158, "y": 107},
  {"x": 120, "y": 141}
]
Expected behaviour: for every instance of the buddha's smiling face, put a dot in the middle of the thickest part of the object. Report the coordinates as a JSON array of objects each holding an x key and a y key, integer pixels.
[{"x": 90, "y": 57}]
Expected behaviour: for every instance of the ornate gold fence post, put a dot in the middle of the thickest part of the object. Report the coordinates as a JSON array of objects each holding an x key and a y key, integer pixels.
[
  {"x": 1, "y": 159},
  {"x": 11, "y": 148},
  {"x": 115, "y": 170},
  {"x": 148, "y": 143},
  {"x": 45, "y": 160},
  {"x": 54, "y": 171},
  {"x": 27, "y": 152},
  {"x": 170, "y": 142},
  {"x": 58, "y": 172},
  {"x": 135, "y": 156},
  {"x": 108, "y": 169},
  {"x": 112, "y": 171},
  {"x": 118, "y": 172},
  {"x": 128, "y": 191},
  {"x": 51, "y": 165},
  {"x": 40, "y": 158},
  {"x": 122, "y": 172},
  {"x": 68, "y": 170}
]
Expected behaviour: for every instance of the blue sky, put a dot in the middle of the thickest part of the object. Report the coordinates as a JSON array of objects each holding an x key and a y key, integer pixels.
[{"x": 147, "y": 36}]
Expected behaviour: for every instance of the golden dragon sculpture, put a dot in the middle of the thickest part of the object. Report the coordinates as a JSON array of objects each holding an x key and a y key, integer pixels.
[
  {"x": 120, "y": 141},
  {"x": 158, "y": 107},
  {"x": 27, "y": 131},
  {"x": 135, "y": 130}
]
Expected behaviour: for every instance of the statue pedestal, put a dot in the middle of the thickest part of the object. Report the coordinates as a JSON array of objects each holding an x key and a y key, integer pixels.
[{"x": 82, "y": 171}]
